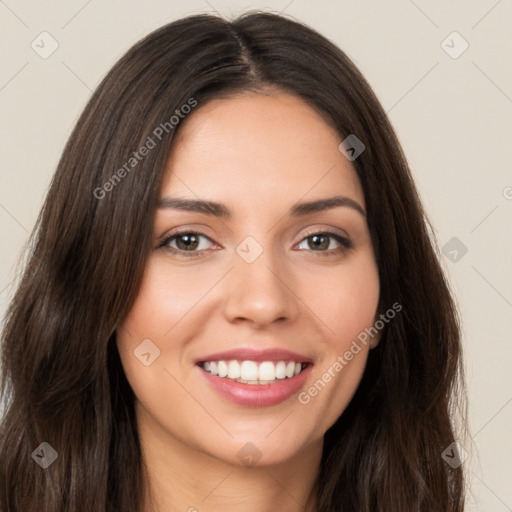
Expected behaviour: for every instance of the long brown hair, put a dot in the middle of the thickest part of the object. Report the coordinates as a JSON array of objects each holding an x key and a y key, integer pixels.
[{"x": 63, "y": 382}]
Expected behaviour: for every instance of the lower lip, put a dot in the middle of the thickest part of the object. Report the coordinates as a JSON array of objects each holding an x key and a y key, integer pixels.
[{"x": 257, "y": 395}]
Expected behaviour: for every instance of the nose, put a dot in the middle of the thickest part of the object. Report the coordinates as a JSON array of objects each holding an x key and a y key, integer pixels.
[{"x": 259, "y": 293}]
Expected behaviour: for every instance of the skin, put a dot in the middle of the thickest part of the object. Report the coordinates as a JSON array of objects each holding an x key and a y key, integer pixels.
[{"x": 257, "y": 154}]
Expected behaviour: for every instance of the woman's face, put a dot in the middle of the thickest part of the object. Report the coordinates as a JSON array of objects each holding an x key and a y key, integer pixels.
[{"x": 258, "y": 274}]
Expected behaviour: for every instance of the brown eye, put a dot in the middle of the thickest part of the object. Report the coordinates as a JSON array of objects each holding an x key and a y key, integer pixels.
[
  {"x": 323, "y": 242},
  {"x": 187, "y": 243},
  {"x": 319, "y": 241}
]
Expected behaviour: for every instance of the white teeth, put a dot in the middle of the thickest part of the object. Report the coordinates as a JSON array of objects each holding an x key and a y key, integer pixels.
[
  {"x": 233, "y": 370},
  {"x": 223, "y": 369},
  {"x": 267, "y": 371},
  {"x": 281, "y": 370},
  {"x": 250, "y": 372}
]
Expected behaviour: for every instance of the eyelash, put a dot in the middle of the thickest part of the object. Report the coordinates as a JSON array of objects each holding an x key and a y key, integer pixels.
[{"x": 345, "y": 243}]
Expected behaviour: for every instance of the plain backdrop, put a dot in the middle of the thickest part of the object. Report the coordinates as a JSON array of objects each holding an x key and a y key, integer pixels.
[{"x": 443, "y": 72}]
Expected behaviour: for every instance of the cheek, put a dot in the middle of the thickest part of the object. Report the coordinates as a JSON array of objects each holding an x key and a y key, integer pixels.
[
  {"x": 163, "y": 299},
  {"x": 166, "y": 296},
  {"x": 346, "y": 301},
  {"x": 347, "y": 306}
]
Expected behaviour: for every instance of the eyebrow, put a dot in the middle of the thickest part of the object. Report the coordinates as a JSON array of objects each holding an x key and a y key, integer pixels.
[{"x": 220, "y": 210}]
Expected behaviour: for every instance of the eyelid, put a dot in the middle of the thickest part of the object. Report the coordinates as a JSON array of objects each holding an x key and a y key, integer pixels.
[{"x": 330, "y": 231}]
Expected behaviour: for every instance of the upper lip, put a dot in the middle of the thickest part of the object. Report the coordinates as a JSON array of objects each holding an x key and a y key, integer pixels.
[{"x": 249, "y": 354}]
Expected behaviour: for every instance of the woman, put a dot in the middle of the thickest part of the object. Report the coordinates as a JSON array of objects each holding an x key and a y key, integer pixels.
[{"x": 232, "y": 300}]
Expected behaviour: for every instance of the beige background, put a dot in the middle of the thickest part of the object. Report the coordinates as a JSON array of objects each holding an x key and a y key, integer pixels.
[{"x": 452, "y": 115}]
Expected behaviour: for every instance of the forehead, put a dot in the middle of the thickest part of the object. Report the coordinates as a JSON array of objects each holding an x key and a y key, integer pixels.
[{"x": 258, "y": 147}]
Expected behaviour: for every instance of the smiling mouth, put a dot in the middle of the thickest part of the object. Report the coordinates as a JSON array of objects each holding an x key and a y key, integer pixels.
[{"x": 252, "y": 372}]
